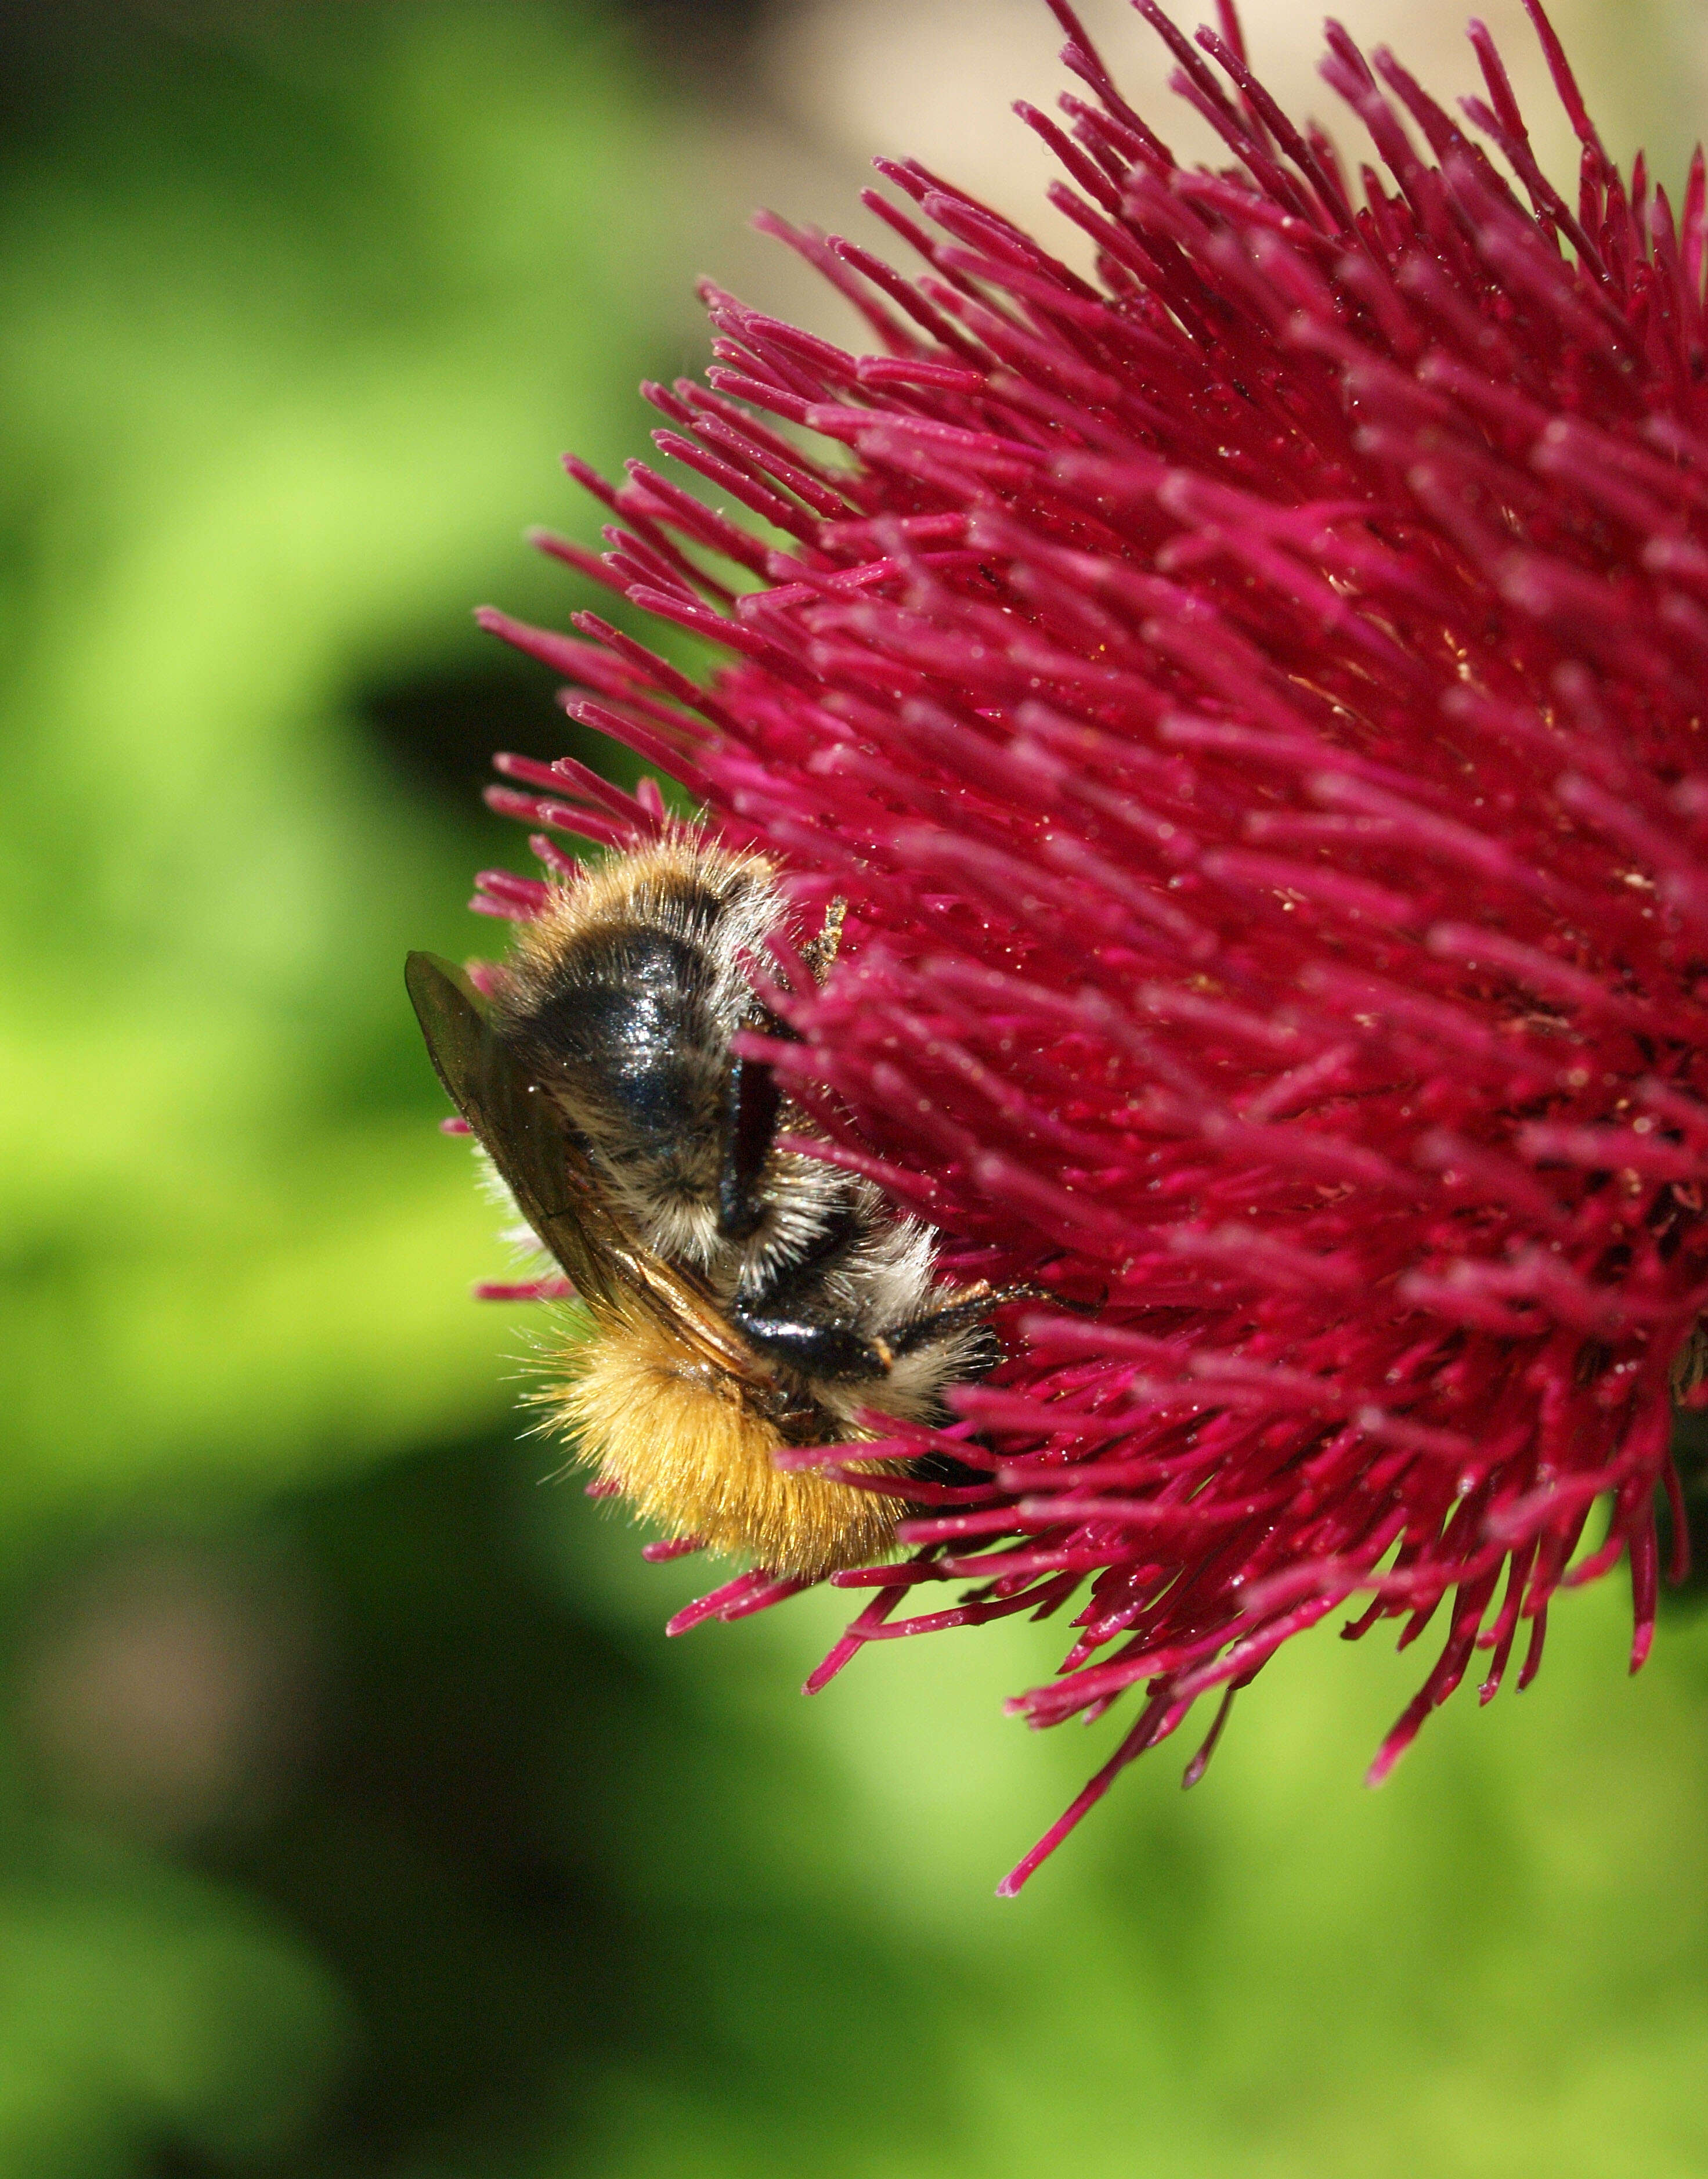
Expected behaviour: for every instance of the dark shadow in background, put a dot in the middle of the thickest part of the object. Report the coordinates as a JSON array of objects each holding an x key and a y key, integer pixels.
[
  {"x": 1690, "y": 1457},
  {"x": 475, "y": 1855},
  {"x": 56, "y": 54},
  {"x": 439, "y": 726},
  {"x": 439, "y": 722}
]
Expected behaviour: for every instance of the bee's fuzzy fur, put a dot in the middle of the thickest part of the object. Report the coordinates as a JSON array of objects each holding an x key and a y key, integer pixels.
[
  {"x": 621, "y": 999},
  {"x": 690, "y": 1452}
]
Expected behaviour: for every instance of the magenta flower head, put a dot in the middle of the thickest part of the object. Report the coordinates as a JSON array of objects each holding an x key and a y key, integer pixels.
[{"x": 1250, "y": 696}]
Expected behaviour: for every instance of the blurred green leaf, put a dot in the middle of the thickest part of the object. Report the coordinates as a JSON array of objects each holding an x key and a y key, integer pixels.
[{"x": 139, "y": 2007}]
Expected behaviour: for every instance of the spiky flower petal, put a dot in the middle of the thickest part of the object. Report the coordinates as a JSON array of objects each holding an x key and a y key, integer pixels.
[{"x": 1251, "y": 697}]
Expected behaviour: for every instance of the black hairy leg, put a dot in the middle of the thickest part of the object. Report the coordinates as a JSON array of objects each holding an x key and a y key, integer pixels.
[
  {"x": 814, "y": 1347},
  {"x": 970, "y": 1310},
  {"x": 749, "y": 1130}
]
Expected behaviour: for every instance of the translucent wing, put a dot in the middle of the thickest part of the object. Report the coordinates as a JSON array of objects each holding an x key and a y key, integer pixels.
[{"x": 549, "y": 1175}]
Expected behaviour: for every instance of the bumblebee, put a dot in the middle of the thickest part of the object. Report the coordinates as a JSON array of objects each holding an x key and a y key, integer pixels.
[{"x": 744, "y": 1296}]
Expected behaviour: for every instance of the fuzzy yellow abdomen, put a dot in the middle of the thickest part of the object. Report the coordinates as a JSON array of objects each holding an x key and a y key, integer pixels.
[{"x": 685, "y": 1448}]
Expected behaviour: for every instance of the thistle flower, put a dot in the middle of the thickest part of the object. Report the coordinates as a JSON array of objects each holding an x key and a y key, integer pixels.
[{"x": 1249, "y": 697}]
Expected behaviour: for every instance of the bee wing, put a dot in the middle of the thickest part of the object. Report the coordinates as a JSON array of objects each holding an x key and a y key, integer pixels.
[{"x": 554, "y": 1188}]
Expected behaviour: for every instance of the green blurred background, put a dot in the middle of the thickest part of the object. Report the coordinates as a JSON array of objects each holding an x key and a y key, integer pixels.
[{"x": 355, "y": 1816}]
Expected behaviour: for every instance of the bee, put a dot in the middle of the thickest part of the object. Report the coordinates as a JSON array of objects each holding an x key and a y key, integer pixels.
[{"x": 744, "y": 1296}]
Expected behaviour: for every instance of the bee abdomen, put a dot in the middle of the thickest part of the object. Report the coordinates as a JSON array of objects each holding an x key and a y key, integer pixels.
[{"x": 689, "y": 1449}]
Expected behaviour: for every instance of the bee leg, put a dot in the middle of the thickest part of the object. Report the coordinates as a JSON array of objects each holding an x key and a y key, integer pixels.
[
  {"x": 972, "y": 1309},
  {"x": 755, "y": 1101},
  {"x": 815, "y": 1350},
  {"x": 820, "y": 952}
]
